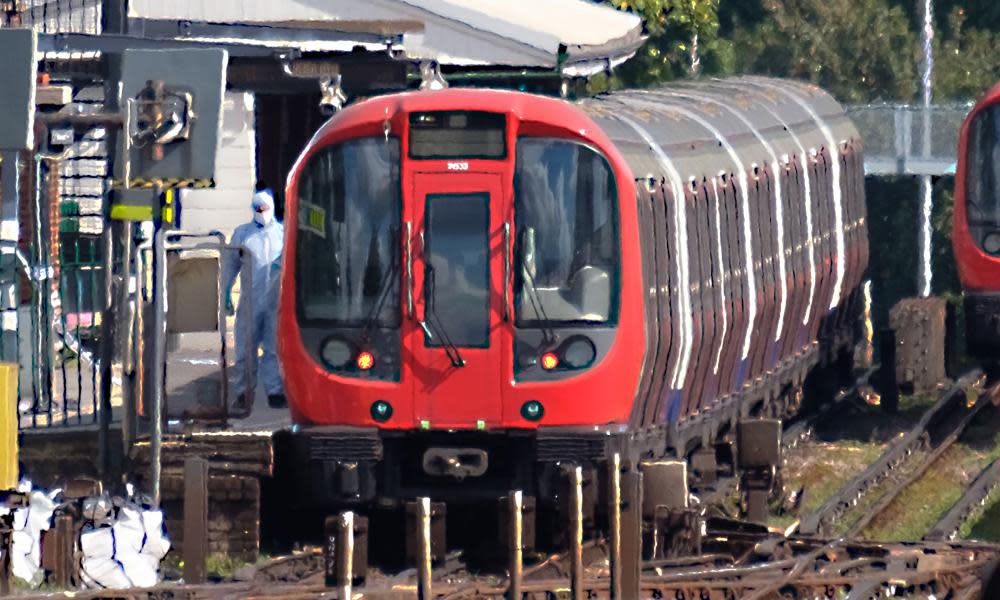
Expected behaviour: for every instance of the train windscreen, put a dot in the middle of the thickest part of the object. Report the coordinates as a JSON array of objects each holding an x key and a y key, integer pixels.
[
  {"x": 347, "y": 242},
  {"x": 983, "y": 180},
  {"x": 565, "y": 212}
]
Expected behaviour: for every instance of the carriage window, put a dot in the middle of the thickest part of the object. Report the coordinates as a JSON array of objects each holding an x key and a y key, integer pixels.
[
  {"x": 347, "y": 249},
  {"x": 983, "y": 170},
  {"x": 567, "y": 234}
]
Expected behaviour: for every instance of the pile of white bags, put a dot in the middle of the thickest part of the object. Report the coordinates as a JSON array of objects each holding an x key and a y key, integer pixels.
[
  {"x": 121, "y": 544},
  {"x": 29, "y": 523}
]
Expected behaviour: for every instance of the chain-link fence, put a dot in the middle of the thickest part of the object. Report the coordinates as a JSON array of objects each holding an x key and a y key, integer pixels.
[
  {"x": 61, "y": 286},
  {"x": 52, "y": 16},
  {"x": 907, "y": 140}
]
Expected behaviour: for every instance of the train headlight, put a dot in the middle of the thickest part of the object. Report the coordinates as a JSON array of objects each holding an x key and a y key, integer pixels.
[
  {"x": 991, "y": 243},
  {"x": 365, "y": 360},
  {"x": 336, "y": 353},
  {"x": 381, "y": 411},
  {"x": 532, "y": 410},
  {"x": 578, "y": 353}
]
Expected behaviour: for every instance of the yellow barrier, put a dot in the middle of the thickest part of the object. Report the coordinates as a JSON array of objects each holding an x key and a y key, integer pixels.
[{"x": 8, "y": 426}]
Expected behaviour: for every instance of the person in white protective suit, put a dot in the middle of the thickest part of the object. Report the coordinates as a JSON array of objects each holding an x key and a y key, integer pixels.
[{"x": 263, "y": 238}]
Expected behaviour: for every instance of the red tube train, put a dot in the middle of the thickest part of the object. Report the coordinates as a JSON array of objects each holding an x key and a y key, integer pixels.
[
  {"x": 976, "y": 225},
  {"x": 480, "y": 284}
]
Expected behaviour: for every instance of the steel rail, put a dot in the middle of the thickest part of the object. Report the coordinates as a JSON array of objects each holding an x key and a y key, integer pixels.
[
  {"x": 958, "y": 578},
  {"x": 975, "y": 495},
  {"x": 919, "y": 471},
  {"x": 896, "y": 455},
  {"x": 973, "y": 499}
]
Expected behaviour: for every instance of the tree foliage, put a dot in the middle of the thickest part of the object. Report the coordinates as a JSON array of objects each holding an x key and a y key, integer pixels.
[
  {"x": 672, "y": 25},
  {"x": 966, "y": 60},
  {"x": 861, "y": 50}
]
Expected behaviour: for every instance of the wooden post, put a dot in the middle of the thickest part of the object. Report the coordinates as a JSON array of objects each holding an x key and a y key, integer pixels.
[
  {"x": 6, "y": 545},
  {"x": 331, "y": 530},
  {"x": 64, "y": 571},
  {"x": 345, "y": 555},
  {"x": 195, "y": 550},
  {"x": 515, "y": 544},
  {"x": 424, "y": 587},
  {"x": 575, "y": 495},
  {"x": 615, "y": 522},
  {"x": 631, "y": 533}
]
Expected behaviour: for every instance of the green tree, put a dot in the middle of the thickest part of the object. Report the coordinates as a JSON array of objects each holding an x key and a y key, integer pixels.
[
  {"x": 673, "y": 27},
  {"x": 983, "y": 14},
  {"x": 966, "y": 61},
  {"x": 861, "y": 50}
]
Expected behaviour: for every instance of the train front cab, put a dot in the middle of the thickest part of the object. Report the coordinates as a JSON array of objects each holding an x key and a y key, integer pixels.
[
  {"x": 976, "y": 225},
  {"x": 453, "y": 316}
]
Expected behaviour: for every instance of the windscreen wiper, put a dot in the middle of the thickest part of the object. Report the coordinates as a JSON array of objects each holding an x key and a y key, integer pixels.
[
  {"x": 548, "y": 332},
  {"x": 383, "y": 294},
  {"x": 449, "y": 348}
]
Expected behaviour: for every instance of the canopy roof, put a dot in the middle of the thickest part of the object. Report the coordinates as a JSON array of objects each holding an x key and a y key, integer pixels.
[{"x": 579, "y": 36}]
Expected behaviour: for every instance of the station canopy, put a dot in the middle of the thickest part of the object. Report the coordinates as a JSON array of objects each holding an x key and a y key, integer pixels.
[{"x": 578, "y": 37}]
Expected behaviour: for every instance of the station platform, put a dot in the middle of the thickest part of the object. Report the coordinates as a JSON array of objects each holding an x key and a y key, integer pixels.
[{"x": 240, "y": 455}]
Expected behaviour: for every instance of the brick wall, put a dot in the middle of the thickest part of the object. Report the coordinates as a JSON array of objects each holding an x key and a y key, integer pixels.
[
  {"x": 237, "y": 462},
  {"x": 233, "y": 513}
]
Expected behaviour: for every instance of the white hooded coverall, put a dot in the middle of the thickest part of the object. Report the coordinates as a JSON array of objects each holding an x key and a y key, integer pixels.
[{"x": 263, "y": 238}]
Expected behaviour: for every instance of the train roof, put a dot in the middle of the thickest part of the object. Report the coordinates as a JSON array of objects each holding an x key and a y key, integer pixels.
[
  {"x": 701, "y": 127},
  {"x": 720, "y": 124}
]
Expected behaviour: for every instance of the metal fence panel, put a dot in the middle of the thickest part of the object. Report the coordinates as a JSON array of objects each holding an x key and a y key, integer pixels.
[
  {"x": 907, "y": 140},
  {"x": 53, "y": 16}
]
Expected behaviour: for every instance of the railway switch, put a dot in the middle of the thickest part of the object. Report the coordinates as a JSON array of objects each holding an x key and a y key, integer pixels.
[{"x": 758, "y": 454}]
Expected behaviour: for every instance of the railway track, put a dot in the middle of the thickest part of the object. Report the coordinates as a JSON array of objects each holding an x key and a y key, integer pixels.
[
  {"x": 971, "y": 502},
  {"x": 863, "y": 499},
  {"x": 974, "y": 497},
  {"x": 766, "y": 566},
  {"x": 736, "y": 559},
  {"x": 798, "y": 431}
]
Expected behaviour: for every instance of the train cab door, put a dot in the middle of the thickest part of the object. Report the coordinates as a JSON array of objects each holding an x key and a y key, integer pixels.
[{"x": 456, "y": 330}]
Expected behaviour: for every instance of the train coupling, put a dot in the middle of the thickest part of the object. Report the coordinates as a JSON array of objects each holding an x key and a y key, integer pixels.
[{"x": 455, "y": 462}]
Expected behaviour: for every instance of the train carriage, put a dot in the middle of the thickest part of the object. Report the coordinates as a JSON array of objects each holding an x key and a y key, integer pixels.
[
  {"x": 481, "y": 284},
  {"x": 976, "y": 225}
]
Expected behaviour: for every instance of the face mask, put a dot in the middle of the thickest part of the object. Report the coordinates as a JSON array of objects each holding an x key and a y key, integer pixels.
[{"x": 263, "y": 218}]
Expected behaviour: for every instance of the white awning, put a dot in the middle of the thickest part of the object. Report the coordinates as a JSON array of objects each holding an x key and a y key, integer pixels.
[{"x": 580, "y": 35}]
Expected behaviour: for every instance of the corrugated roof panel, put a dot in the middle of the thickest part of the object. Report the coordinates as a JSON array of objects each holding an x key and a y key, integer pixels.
[{"x": 691, "y": 120}]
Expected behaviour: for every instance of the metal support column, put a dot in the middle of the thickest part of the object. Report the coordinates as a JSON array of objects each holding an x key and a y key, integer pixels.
[
  {"x": 126, "y": 333},
  {"x": 926, "y": 186},
  {"x": 109, "y": 319},
  {"x": 159, "y": 362},
  {"x": 9, "y": 233}
]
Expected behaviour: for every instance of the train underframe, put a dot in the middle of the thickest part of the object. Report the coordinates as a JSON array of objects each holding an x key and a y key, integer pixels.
[
  {"x": 982, "y": 323},
  {"x": 367, "y": 469}
]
